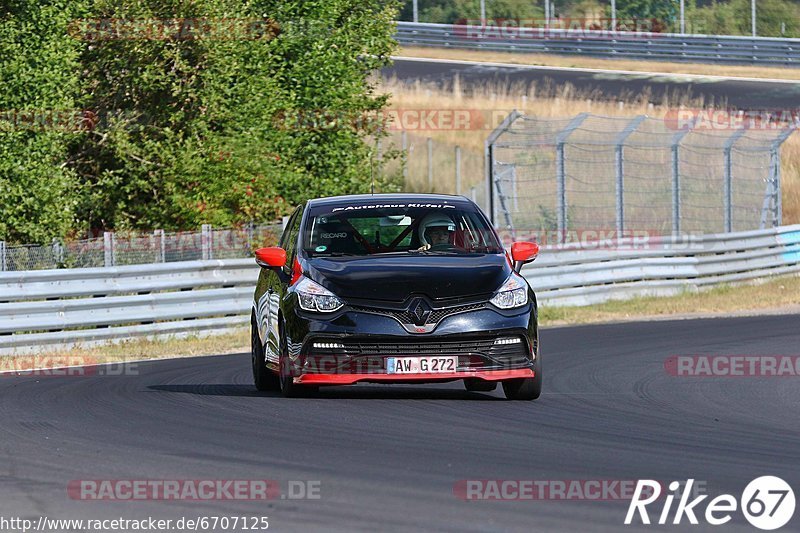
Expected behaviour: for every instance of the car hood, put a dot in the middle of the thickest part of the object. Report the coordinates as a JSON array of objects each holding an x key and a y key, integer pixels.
[{"x": 395, "y": 278}]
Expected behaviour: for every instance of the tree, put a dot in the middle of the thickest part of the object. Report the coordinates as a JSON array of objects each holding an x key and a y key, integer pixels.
[
  {"x": 38, "y": 116},
  {"x": 192, "y": 125},
  {"x": 188, "y": 102}
]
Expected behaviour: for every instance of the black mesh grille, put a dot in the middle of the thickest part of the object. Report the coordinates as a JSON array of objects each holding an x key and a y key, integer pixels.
[
  {"x": 478, "y": 353},
  {"x": 405, "y": 317}
]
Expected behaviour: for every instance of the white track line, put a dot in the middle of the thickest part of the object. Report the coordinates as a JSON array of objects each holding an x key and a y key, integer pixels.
[
  {"x": 597, "y": 70},
  {"x": 24, "y": 371}
]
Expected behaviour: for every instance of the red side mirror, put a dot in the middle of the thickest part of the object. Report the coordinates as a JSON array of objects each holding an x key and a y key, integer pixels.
[
  {"x": 271, "y": 257},
  {"x": 524, "y": 252}
]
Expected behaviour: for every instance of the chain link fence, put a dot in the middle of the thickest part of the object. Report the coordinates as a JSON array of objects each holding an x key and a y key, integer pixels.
[
  {"x": 135, "y": 248},
  {"x": 622, "y": 175}
]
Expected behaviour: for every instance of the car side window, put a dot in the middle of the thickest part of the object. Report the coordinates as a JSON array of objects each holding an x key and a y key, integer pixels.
[
  {"x": 292, "y": 231},
  {"x": 284, "y": 242}
]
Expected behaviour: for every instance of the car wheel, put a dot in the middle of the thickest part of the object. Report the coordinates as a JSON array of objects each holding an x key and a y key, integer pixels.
[
  {"x": 264, "y": 379},
  {"x": 288, "y": 387},
  {"x": 525, "y": 388},
  {"x": 479, "y": 385}
]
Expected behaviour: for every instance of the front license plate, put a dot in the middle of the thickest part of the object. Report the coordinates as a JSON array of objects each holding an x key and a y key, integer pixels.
[{"x": 421, "y": 365}]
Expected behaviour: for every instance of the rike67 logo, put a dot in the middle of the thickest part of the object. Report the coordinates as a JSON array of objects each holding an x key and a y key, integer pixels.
[{"x": 767, "y": 503}]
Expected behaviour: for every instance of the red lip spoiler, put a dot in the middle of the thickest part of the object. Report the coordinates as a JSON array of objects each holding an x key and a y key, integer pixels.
[{"x": 349, "y": 379}]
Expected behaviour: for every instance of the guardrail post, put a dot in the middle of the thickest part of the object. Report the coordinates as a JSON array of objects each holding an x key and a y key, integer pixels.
[
  {"x": 108, "y": 248},
  {"x": 458, "y": 170},
  {"x": 727, "y": 188},
  {"x": 160, "y": 246},
  {"x": 206, "y": 237},
  {"x": 3, "y": 258}
]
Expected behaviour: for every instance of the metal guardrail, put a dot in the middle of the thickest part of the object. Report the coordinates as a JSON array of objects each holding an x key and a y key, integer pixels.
[
  {"x": 58, "y": 308},
  {"x": 631, "y": 45},
  {"x": 571, "y": 275}
]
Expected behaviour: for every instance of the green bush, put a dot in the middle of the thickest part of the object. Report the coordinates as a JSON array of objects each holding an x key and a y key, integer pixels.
[
  {"x": 187, "y": 128},
  {"x": 40, "y": 81}
]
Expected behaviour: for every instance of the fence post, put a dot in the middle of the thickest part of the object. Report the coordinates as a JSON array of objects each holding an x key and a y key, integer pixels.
[
  {"x": 251, "y": 235},
  {"x": 514, "y": 190},
  {"x": 58, "y": 253},
  {"x": 676, "y": 191},
  {"x": 777, "y": 216},
  {"x": 727, "y": 186},
  {"x": 108, "y": 248},
  {"x": 3, "y": 259},
  {"x": 206, "y": 237},
  {"x": 620, "y": 171},
  {"x": 404, "y": 146},
  {"x": 458, "y": 170},
  {"x": 430, "y": 164},
  {"x": 488, "y": 160},
  {"x": 160, "y": 246},
  {"x": 561, "y": 176}
]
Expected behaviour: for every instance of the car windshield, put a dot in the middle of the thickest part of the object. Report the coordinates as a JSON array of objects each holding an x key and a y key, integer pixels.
[{"x": 371, "y": 229}]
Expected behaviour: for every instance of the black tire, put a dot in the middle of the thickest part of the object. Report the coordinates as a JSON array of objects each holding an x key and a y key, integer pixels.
[
  {"x": 286, "y": 383},
  {"x": 263, "y": 377},
  {"x": 525, "y": 388},
  {"x": 479, "y": 385}
]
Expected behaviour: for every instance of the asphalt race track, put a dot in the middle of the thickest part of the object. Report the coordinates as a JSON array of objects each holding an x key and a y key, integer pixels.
[
  {"x": 741, "y": 94},
  {"x": 388, "y": 457}
]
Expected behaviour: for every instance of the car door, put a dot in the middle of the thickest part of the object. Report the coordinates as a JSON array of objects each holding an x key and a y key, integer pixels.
[{"x": 277, "y": 284}]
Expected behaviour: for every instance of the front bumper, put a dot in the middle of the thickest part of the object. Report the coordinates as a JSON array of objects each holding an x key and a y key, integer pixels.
[
  {"x": 350, "y": 379},
  {"x": 353, "y": 346}
]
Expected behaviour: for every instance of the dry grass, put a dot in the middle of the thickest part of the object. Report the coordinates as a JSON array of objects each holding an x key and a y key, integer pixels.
[
  {"x": 495, "y": 101},
  {"x": 237, "y": 341},
  {"x": 609, "y": 64},
  {"x": 772, "y": 295}
]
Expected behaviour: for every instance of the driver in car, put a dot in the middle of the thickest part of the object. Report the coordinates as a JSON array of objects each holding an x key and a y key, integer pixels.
[{"x": 436, "y": 229}]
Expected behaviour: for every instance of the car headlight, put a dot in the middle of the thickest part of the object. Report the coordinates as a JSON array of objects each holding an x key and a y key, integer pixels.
[
  {"x": 513, "y": 293},
  {"x": 314, "y": 297}
]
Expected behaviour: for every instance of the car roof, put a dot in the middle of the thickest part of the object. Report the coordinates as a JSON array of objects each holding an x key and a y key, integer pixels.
[{"x": 389, "y": 197}]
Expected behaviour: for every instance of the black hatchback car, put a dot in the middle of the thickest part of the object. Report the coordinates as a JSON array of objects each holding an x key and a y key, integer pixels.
[{"x": 394, "y": 288}]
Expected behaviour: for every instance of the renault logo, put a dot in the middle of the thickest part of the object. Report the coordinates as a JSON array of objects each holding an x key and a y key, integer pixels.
[{"x": 420, "y": 311}]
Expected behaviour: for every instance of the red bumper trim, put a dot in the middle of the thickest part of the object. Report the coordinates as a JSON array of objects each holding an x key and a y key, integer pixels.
[{"x": 349, "y": 379}]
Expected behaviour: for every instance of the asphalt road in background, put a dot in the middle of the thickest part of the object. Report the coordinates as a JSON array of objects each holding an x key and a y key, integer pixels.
[
  {"x": 388, "y": 457},
  {"x": 741, "y": 94}
]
